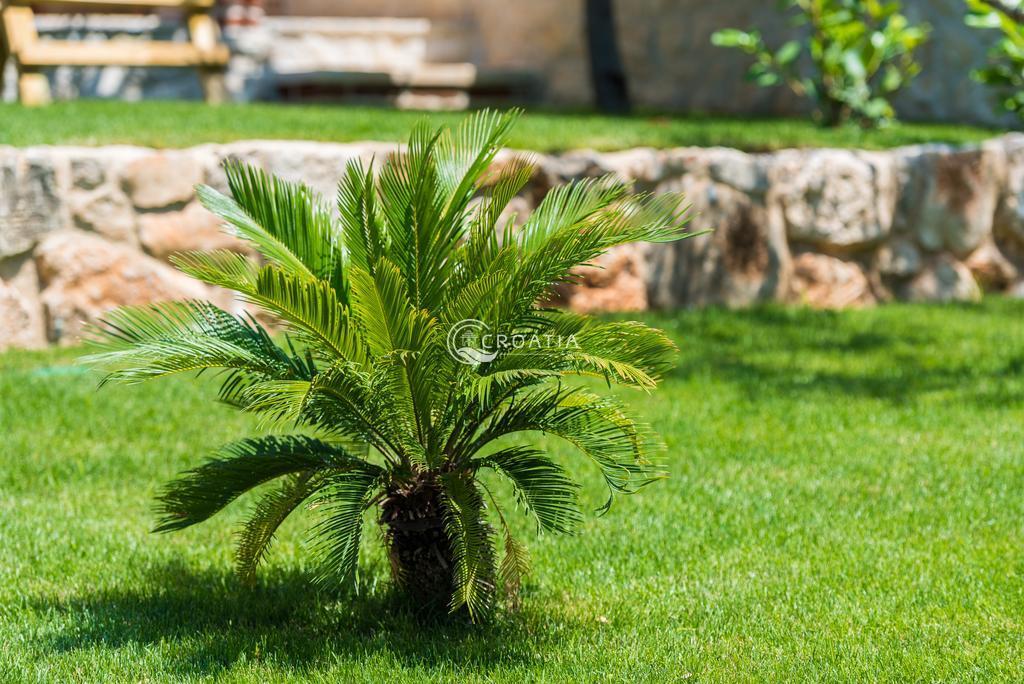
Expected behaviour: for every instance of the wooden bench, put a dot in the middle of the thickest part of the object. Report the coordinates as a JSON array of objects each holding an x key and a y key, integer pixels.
[{"x": 20, "y": 40}]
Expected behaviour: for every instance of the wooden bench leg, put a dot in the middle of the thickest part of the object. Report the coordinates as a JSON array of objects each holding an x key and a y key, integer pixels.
[
  {"x": 204, "y": 34},
  {"x": 19, "y": 31},
  {"x": 33, "y": 88},
  {"x": 214, "y": 90}
]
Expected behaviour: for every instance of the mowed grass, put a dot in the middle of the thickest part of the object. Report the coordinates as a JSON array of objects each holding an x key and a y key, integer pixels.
[
  {"x": 182, "y": 124},
  {"x": 845, "y": 503}
]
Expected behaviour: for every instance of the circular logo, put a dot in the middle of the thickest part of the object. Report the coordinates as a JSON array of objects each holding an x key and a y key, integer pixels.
[{"x": 466, "y": 342}]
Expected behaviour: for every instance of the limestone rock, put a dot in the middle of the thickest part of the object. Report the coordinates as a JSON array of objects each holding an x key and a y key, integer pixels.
[
  {"x": 614, "y": 282},
  {"x": 826, "y": 282},
  {"x": 192, "y": 228},
  {"x": 944, "y": 279},
  {"x": 991, "y": 269},
  {"x": 836, "y": 199},
  {"x": 745, "y": 172},
  {"x": 1009, "y": 219},
  {"x": 898, "y": 259},
  {"x": 30, "y": 200},
  {"x": 572, "y": 165},
  {"x": 317, "y": 164},
  {"x": 162, "y": 179},
  {"x": 87, "y": 173},
  {"x": 948, "y": 197},
  {"x": 15, "y": 318},
  {"x": 642, "y": 165},
  {"x": 21, "y": 313},
  {"x": 84, "y": 276},
  {"x": 744, "y": 260},
  {"x": 106, "y": 212}
]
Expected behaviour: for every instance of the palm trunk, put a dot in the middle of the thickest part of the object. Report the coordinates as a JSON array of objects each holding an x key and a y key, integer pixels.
[{"x": 418, "y": 547}]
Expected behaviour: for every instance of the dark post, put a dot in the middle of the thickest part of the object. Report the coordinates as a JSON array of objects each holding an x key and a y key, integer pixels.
[{"x": 607, "y": 75}]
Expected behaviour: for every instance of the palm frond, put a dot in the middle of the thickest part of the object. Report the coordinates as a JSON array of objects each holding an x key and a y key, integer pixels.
[
  {"x": 577, "y": 223},
  {"x": 598, "y": 427},
  {"x": 471, "y": 542},
  {"x": 542, "y": 487},
  {"x": 514, "y": 566},
  {"x": 364, "y": 237},
  {"x": 508, "y": 183},
  {"x": 515, "y": 562},
  {"x": 341, "y": 401},
  {"x": 258, "y": 530},
  {"x": 413, "y": 205},
  {"x": 465, "y": 153},
  {"x": 621, "y": 352},
  {"x": 341, "y": 503},
  {"x": 288, "y": 222},
  {"x": 567, "y": 208},
  {"x": 138, "y": 343},
  {"x": 243, "y": 226},
  {"x": 381, "y": 306},
  {"x": 311, "y": 309},
  {"x": 309, "y": 306},
  {"x": 624, "y": 352},
  {"x": 220, "y": 267},
  {"x": 238, "y": 467}
]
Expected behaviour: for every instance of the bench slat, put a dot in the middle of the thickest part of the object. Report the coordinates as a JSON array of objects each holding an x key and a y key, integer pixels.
[{"x": 46, "y": 53}]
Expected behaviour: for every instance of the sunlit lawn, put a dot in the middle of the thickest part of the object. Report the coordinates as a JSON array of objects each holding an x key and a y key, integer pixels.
[
  {"x": 181, "y": 124},
  {"x": 846, "y": 502}
]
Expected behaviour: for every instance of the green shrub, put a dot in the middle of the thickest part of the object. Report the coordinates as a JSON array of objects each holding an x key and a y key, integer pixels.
[
  {"x": 416, "y": 359},
  {"x": 1004, "y": 72},
  {"x": 855, "y": 56}
]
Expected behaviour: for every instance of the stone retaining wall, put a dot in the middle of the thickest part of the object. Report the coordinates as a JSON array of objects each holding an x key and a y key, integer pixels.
[{"x": 86, "y": 229}]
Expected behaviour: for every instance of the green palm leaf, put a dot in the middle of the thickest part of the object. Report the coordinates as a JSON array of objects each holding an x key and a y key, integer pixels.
[
  {"x": 542, "y": 486},
  {"x": 139, "y": 343},
  {"x": 310, "y": 308},
  {"x": 515, "y": 565},
  {"x": 239, "y": 467},
  {"x": 287, "y": 222},
  {"x": 472, "y": 546},
  {"x": 257, "y": 532},
  {"x": 465, "y": 153},
  {"x": 364, "y": 237},
  {"x": 598, "y": 427},
  {"x": 341, "y": 503}
]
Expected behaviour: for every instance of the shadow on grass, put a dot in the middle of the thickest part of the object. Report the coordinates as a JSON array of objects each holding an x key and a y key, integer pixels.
[
  {"x": 773, "y": 351},
  {"x": 204, "y": 622}
]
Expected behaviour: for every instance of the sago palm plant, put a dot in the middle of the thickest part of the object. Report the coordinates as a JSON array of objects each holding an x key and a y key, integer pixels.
[{"x": 416, "y": 354}]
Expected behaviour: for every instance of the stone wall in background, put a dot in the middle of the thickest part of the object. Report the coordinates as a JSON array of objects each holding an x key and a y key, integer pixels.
[
  {"x": 85, "y": 229},
  {"x": 671, "y": 64},
  {"x": 666, "y": 47}
]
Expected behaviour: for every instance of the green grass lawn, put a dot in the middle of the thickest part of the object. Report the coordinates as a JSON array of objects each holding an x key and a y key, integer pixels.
[
  {"x": 181, "y": 124},
  {"x": 846, "y": 503}
]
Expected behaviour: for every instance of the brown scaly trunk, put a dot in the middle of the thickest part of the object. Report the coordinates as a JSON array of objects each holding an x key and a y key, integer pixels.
[{"x": 421, "y": 557}]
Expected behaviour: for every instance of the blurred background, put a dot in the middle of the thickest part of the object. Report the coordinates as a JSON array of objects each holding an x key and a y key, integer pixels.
[{"x": 458, "y": 53}]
